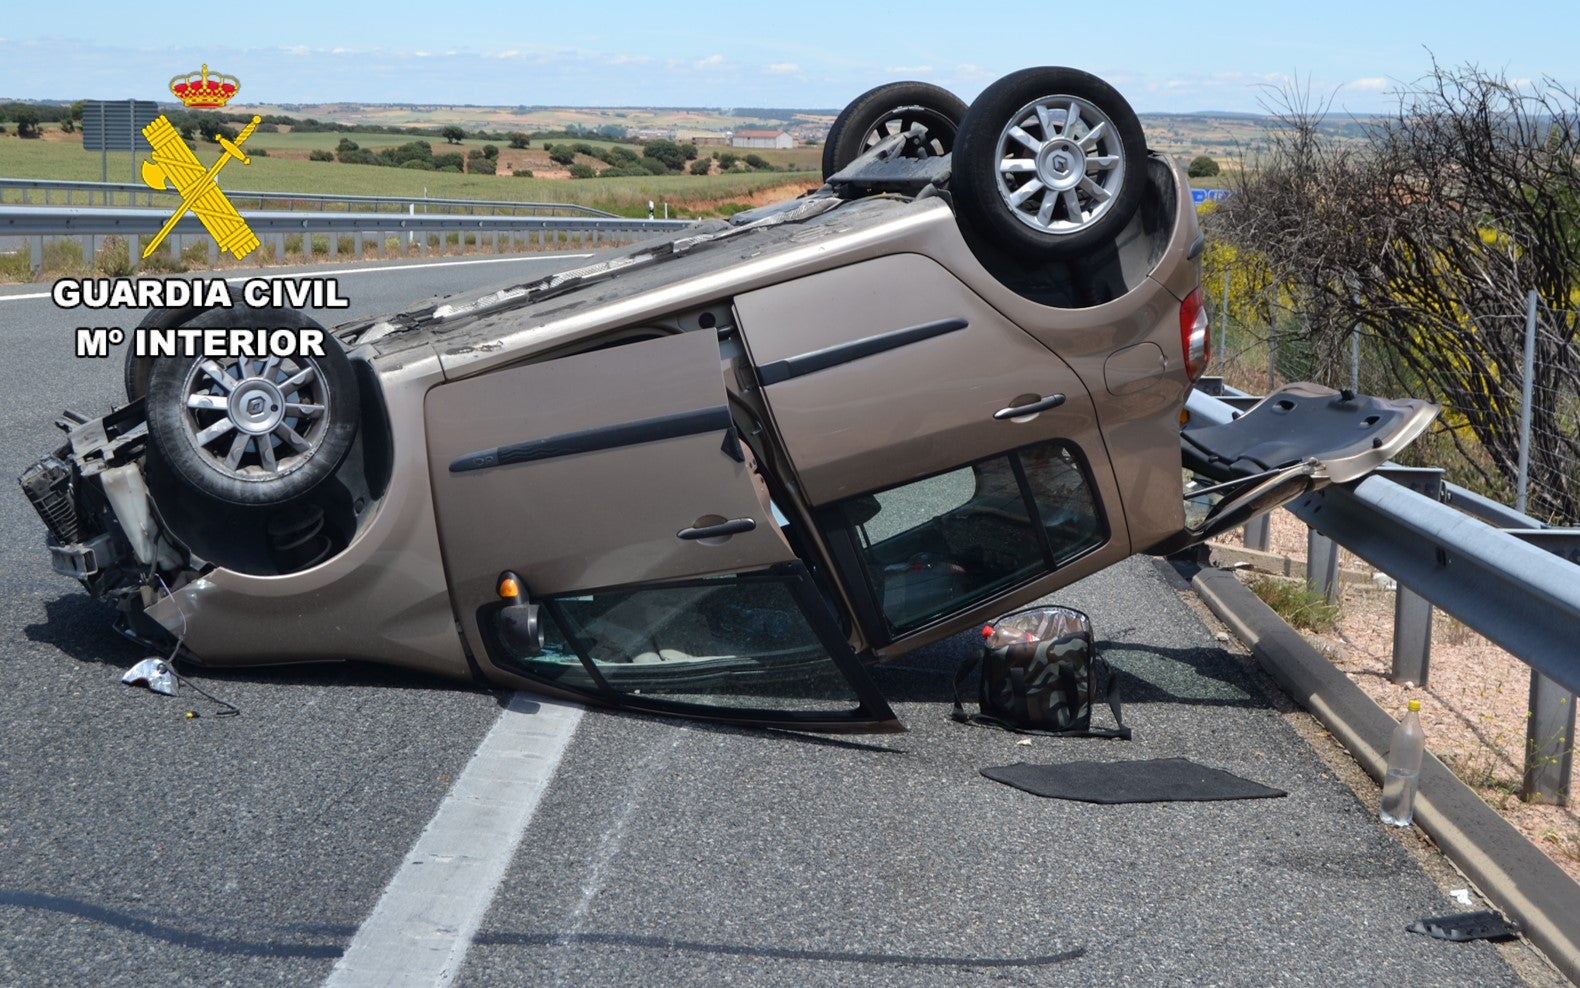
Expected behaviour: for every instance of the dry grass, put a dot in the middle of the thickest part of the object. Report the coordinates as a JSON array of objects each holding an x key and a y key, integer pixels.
[{"x": 1296, "y": 602}]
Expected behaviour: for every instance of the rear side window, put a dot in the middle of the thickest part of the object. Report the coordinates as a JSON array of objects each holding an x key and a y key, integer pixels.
[
  {"x": 743, "y": 641},
  {"x": 942, "y": 544}
]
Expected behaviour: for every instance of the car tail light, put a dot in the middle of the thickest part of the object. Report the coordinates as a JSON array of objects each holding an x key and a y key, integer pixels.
[{"x": 1195, "y": 334}]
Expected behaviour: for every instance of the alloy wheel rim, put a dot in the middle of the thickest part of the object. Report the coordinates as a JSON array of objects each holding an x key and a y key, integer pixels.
[
  {"x": 1059, "y": 164},
  {"x": 256, "y": 419},
  {"x": 937, "y": 130}
]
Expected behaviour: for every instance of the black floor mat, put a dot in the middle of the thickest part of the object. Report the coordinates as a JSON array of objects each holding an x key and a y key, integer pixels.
[
  {"x": 1485, "y": 925},
  {"x": 1158, "y": 780}
]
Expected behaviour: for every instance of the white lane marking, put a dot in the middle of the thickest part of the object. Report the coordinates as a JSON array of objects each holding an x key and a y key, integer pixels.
[
  {"x": 340, "y": 271},
  {"x": 423, "y": 924}
]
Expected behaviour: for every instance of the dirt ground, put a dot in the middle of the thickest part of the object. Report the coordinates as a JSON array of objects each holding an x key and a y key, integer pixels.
[{"x": 1473, "y": 706}]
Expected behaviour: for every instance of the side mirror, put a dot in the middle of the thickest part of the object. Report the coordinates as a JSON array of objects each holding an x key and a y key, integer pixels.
[
  {"x": 521, "y": 628},
  {"x": 519, "y": 624}
]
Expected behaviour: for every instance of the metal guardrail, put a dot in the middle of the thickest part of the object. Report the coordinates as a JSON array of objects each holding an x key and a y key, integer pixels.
[
  {"x": 47, "y": 190},
  {"x": 35, "y": 223},
  {"x": 1499, "y": 572}
]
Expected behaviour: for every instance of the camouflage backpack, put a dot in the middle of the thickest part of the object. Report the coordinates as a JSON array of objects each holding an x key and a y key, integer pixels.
[{"x": 1040, "y": 675}]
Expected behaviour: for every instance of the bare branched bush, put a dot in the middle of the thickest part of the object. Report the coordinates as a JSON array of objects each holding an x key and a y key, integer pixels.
[{"x": 1428, "y": 235}]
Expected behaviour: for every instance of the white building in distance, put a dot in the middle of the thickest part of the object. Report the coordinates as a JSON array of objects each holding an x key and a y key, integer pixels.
[{"x": 762, "y": 139}]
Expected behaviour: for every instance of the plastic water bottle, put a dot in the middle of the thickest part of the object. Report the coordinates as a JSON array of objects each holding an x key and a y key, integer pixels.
[
  {"x": 1404, "y": 769},
  {"x": 1036, "y": 624}
]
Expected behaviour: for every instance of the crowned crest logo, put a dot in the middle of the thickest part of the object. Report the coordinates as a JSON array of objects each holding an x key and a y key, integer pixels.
[
  {"x": 199, "y": 91},
  {"x": 174, "y": 162}
]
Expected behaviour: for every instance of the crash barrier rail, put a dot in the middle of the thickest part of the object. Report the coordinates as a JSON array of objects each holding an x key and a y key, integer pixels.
[
  {"x": 35, "y": 223},
  {"x": 54, "y": 192},
  {"x": 1500, "y": 572}
]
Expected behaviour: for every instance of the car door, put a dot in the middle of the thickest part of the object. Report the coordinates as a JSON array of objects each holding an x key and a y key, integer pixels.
[
  {"x": 953, "y": 463},
  {"x": 610, "y": 491}
]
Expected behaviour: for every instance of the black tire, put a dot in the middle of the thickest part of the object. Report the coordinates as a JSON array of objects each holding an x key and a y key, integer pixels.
[
  {"x": 889, "y": 109},
  {"x": 135, "y": 371},
  {"x": 257, "y": 452},
  {"x": 1072, "y": 194}
]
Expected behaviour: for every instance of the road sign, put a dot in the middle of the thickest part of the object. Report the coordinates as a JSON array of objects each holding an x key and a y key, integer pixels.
[
  {"x": 116, "y": 125},
  {"x": 1199, "y": 196}
]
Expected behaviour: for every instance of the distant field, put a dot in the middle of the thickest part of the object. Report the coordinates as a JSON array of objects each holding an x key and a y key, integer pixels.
[
  {"x": 504, "y": 118},
  {"x": 60, "y": 156}
]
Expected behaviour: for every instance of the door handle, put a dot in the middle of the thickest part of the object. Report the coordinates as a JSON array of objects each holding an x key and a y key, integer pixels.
[
  {"x": 1016, "y": 411},
  {"x": 735, "y": 526}
]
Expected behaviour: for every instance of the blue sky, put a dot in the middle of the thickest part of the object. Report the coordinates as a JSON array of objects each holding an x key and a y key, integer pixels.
[{"x": 720, "y": 53}]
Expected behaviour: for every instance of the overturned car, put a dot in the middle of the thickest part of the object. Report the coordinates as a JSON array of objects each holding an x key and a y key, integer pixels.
[{"x": 717, "y": 474}]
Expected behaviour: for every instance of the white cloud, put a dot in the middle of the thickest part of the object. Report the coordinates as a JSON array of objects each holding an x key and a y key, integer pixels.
[
  {"x": 782, "y": 68},
  {"x": 711, "y": 62},
  {"x": 1370, "y": 84},
  {"x": 909, "y": 70}
]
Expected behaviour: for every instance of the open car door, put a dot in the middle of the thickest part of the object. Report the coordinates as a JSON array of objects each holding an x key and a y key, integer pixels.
[
  {"x": 1300, "y": 438},
  {"x": 953, "y": 464},
  {"x": 616, "y": 543}
]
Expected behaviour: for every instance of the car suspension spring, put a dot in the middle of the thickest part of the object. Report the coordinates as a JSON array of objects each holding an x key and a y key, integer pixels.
[{"x": 296, "y": 537}]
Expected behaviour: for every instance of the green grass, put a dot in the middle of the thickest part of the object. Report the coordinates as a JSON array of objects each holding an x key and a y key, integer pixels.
[
  {"x": 1297, "y": 603},
  {"x": 689, "y": 195}
]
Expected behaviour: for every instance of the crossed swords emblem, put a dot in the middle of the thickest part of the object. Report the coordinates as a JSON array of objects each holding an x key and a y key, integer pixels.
[{"x": 174, "y": 162}]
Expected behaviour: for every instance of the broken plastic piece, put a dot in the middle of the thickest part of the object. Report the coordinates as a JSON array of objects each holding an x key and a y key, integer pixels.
[
  {"x": 154, "y": 673},
  {"x": 1485, "y": 925}
]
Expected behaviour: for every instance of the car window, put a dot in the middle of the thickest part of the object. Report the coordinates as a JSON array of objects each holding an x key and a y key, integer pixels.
[
  {"x": 740, "y": 641},
  {"x": 945, "y": 542}
]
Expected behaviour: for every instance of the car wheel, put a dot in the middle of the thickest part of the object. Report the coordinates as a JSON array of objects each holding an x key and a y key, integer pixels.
[
  {"x": 888, "y": 110},
  {"x": 254, "y": 431},
  {"x": 1049, "y": 162}
]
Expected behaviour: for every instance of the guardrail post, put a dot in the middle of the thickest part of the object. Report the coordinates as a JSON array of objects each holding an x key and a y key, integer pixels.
[
  {"x": 1322, "y": 564},
  {"x": 1257, "y": 534},
  {"x": 1412, "y": 636},
  {"x": 35, "y": 250},
  {"x": 1412, "y": 613},
  {"x": 1549, "y": 743}
]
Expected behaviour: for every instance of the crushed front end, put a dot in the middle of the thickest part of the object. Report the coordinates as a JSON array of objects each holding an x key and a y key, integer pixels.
[{"x": 93, "y": 498}]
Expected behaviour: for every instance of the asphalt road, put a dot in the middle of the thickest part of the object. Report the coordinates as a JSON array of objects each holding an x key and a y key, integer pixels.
[{"x": 140, "y": 846}]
